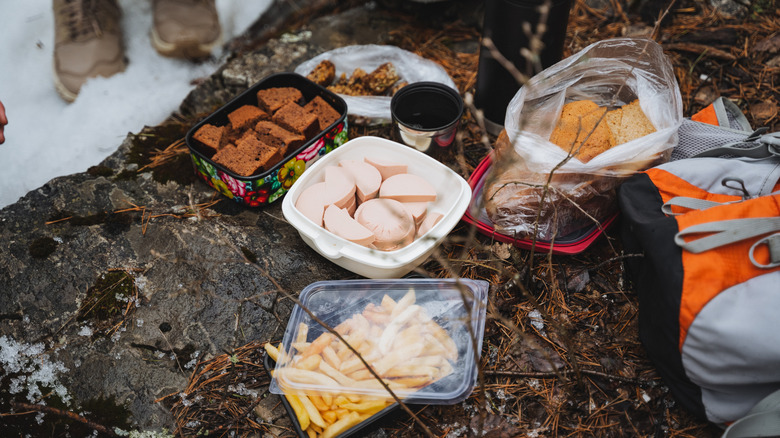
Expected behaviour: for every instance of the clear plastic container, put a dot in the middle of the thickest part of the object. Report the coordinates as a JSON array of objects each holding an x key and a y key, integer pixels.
[
  {"x": 357, "y": 430},
  {"x": 416, "y": 327}
]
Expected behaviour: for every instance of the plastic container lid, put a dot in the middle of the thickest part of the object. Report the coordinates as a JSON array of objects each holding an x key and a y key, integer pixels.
[{"x": 402, "y": 345}]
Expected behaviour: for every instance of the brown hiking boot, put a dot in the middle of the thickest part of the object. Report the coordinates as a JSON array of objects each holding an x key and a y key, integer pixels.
[
  {"x": 185, "y": 28},
  {"x": 87, "y": 43}
]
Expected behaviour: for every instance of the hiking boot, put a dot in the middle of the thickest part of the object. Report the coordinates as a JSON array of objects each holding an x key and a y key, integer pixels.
[
  {"x": 87, "y": 43},
  {"x": 185, "y": 28}
]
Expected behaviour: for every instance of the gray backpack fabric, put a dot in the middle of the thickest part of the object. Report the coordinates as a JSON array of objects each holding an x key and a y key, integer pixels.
[{"x": 711, "y": 214}]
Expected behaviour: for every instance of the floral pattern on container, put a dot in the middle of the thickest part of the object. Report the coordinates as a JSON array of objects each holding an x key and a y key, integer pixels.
[{"x": 256, "y": 192}]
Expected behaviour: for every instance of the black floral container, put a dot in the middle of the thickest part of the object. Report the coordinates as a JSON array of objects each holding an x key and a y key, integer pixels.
[{"x": 264, "y": 188}]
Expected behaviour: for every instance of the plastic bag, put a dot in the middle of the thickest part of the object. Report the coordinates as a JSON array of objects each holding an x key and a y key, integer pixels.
[
  {"x": 410, "y": 67},
  {"x": 611, "y": 73}
]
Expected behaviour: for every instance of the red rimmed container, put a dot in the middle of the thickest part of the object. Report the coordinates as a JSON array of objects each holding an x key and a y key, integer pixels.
[
  {"x": 266, "y": 187},
  {"x": 573, "y": 243}
]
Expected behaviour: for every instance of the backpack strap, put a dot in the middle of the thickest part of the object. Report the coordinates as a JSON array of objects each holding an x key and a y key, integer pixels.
[
  {"x": 762, "y": 420},
  {"x": 686, "y": 203},
  {"x": 767, "y": 145},
  {"x": 689, "y": 203},
  {"x": 723, "y": 112},
  {"x": 722, "y": 233}
]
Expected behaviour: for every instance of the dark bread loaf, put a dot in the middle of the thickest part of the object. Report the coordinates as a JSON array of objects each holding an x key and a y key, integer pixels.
[{"x": 520, "y": 202}]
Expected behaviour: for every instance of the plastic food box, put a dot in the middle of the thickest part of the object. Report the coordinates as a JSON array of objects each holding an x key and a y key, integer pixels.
[
  {"x": 457, "y": 306},
  {"x": 453, "y": 197},
  {"x": 476, "y": 215},
  {"x": 364, "y": 426},
  {"x": 261, "y": 189}
]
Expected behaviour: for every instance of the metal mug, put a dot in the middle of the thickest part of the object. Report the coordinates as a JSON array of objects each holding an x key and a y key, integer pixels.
[{"x": 427, "y": 113}]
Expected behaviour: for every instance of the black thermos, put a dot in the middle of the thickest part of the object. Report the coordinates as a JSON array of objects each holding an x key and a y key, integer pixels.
[{"x": 503, "y": 24}]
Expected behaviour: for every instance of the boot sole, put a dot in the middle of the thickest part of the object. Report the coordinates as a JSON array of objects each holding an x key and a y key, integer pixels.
[
  {"x": 64, "y": 92},
  {"x": 193, "y": 51}
]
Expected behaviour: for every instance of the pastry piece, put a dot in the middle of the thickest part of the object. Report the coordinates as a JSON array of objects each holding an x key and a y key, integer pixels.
[
  {"x": 273, "y": 134},
  {"x": 293, "y": 117},
  {"x": 323, "y": 73},
  {"x": 407, "y": 187},
  {"x": 381, "y": 79},
  {"x": 211, "y": 137},
  {"x": 582, "y": 130},
  {"x": 629, "y": 123},
  {"x": 397, "y": 87},
  {"x": 246, "y": 116},
  {"x": 339, "y": 222},
  {"x": 352, "y": 85},
  {"x": 326, "y": 114},
  {"x": 271, "y": 99},
  {"x": 392, "y": 225}
]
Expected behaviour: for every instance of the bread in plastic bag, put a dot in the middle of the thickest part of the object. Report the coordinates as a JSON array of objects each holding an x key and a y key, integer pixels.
[
  {"x": 611, "y": 73},
  {"x": 410, "y": 67}
]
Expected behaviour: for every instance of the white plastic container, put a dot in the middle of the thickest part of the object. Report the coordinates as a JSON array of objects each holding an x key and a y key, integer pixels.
[{"x": 453, "y": 197}]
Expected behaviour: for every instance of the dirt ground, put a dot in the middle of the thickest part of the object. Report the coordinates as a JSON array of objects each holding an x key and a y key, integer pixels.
[
  {"x": 561, "y": 353},
  {"x": 584, "y": 373}
]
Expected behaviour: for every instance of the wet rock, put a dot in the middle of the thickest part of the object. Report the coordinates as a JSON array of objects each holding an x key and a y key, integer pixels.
[
  {"x": 206, "y": 278},
  {"x": 730, "y": 8},
  {"x": 191, "y": 272}
]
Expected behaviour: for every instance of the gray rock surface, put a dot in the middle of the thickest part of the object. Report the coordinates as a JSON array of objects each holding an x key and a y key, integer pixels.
[
  {"x": 183, "y": 281},
  {"x": 198, "y": 295}
]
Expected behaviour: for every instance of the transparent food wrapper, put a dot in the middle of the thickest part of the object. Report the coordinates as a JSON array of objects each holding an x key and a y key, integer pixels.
[
  {"x": 409, "y": 66},
  {"x": 611, "y": 73}
]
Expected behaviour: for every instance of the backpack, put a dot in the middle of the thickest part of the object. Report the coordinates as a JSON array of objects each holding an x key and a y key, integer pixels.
[{"x": 706, "y": 227}]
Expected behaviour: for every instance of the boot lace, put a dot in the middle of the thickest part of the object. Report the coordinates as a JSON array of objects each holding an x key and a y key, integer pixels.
[{"x": 84, "y": 18}]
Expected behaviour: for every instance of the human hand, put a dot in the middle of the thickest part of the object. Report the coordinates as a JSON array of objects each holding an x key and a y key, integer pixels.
[{"x": 3, "y": 122}]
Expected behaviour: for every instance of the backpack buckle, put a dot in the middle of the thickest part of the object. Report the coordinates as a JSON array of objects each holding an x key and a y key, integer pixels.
[
  {"x": 773, "y": 244},
  {"x": 772, "y": 142}
]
